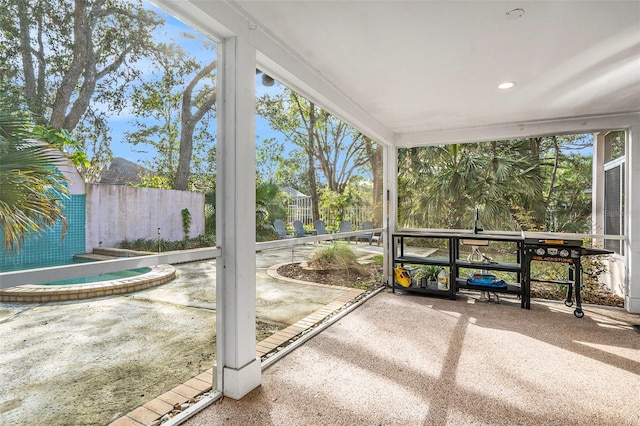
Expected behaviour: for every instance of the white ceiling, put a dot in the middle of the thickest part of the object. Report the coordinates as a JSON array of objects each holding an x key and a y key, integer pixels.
[{"x": 427, "y": 66}]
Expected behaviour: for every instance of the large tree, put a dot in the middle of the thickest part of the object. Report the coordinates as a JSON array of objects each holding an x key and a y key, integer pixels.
[
  {"x": 175, "y": 105},
  {"x": 538, "y": 183},
  {"x": 198, "y": 100},
  {"x": 70, "y": 60},
  {"x": 332, "y": 147},
  {"x": 569, "y": 206},
  {"x": 440, "y": 186}
]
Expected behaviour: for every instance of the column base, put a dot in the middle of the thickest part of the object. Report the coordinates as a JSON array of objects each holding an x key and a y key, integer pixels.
[
  {"x": 632, "y": 305},
  {"x": 239, "y": 382}
]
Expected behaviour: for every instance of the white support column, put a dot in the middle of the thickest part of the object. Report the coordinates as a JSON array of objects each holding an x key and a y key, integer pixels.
[
  {"x": 632, "y": 220},
  {"x": 390, "y": 207},
  {"x": 238, "y": 370},
  {"x": 597, "y": 194}
]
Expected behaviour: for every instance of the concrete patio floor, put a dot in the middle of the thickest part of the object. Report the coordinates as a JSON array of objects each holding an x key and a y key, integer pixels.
[
  {"x": 397, "y": 359},
  {"x": 411, "y": 360}
]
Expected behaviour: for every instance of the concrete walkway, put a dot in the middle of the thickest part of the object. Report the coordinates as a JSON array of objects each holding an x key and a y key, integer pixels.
[{"x": 93, "y": 361}]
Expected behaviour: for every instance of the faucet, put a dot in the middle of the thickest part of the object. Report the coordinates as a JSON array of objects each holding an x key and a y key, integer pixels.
[{"x": 475, "y": 222}]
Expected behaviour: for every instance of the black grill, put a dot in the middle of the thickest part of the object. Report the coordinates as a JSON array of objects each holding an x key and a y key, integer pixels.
[{"x": 561, "y": 251}]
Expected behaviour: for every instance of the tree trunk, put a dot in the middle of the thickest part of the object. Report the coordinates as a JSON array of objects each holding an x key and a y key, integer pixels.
[
  {"x": 27, "y": 61},
  {"x": 315, "y": 210},
  {"x": 81, "y": 47},
  {"x": 534, "y": 146},
  {"x": 554, "y": 172},
  {"x": 374, "y": 153},
  {"x": 183, "y": 172},
  {"x": 188, "y": 125}
]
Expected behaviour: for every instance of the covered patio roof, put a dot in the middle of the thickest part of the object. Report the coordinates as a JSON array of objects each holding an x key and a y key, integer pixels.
[{"x": 410, "y": 73}]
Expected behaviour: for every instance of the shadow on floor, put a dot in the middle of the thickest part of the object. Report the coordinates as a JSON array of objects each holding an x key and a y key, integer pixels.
[{"x": 412, "y": 360}]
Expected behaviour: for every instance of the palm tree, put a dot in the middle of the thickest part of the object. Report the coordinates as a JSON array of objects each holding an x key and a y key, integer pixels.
[
  {"x": 31, "y": 188},
  {"x": 443, "y": 184},
  {"x": 269, "y": 206}
]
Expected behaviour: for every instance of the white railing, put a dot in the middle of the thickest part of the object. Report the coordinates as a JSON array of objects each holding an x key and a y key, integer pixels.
[
  {"x": 290, "y": 242},
  {"x": 62, "y": 272},
  {"x": 302, "y": 211}
]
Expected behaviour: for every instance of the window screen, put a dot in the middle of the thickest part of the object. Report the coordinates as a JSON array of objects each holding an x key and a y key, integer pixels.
[{"x": 613, "y": 206}]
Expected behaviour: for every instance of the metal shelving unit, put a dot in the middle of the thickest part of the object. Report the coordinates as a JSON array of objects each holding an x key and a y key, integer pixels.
[{"x": 454, "y": 264}]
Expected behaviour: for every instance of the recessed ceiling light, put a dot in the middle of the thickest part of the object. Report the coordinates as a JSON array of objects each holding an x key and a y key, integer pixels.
[
  {"x": 506, "y": 85},
  {"x": 515, "y": 13}
]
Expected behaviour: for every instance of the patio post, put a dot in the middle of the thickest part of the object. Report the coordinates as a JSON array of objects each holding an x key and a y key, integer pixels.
[
  {"x": 390, "y": 207},
  {"x": 238, "y": 368},
  {"x": 632, "y": 216},
  {"x": 597, "y": 201}
]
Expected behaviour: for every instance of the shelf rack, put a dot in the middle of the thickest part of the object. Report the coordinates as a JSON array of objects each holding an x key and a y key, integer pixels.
[{"x": 454, "y": 264}]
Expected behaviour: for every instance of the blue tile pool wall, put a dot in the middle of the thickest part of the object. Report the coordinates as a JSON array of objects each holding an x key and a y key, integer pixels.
[{"x": 46, "y": 248}]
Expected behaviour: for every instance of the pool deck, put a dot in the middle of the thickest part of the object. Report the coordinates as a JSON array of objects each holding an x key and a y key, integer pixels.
[{"x": 111, "y": 343}]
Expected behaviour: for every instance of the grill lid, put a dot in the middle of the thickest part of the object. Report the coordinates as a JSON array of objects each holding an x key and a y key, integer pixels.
[{"x": 552, "y": 242}]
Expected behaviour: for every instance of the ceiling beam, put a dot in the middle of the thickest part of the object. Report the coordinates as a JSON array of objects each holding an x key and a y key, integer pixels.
[{"x": 576, "y": 125}]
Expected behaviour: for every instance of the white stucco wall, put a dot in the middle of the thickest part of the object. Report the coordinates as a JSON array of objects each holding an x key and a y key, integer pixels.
[
  {"x": 74, "y": 180},
  {"x": 116, "y": 212}
]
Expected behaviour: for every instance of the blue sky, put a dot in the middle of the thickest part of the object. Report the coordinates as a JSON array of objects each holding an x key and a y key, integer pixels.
[{"x": 174, "y": 30}]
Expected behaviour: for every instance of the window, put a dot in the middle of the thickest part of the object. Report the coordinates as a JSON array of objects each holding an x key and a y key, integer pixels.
[{"x": 614, "y": 191}]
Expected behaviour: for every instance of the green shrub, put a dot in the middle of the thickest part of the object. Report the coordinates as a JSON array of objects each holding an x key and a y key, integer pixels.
[
  {"x": 430, "y": 272},
  {"x": 207, "y": 240},
  {"x": 338, "y": 255},
  {"x": 186, "y": 223},
  {"x": 155, "y": 245}
]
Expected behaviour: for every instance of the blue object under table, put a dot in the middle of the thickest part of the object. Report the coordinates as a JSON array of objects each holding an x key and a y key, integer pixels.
[{"x": 486, "y": 280}]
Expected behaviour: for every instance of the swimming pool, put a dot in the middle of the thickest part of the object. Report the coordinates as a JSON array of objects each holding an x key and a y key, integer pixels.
[
  {"x": 107, "y": 285},
  {"x": 101, "y": 277},
  {"x": 44, "y": 264}
]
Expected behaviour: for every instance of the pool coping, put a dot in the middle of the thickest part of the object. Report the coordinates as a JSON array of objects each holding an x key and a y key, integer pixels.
[{"x": 39, "y": 293}]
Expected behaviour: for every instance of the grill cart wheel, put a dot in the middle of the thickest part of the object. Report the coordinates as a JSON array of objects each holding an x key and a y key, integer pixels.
[{"x": 578, "y": 313}]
